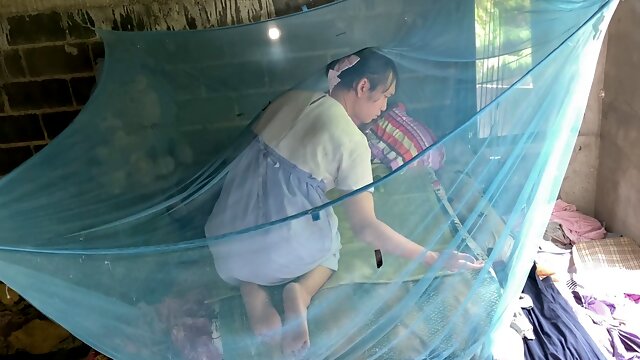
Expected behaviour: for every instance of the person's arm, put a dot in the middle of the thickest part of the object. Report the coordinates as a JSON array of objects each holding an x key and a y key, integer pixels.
[{"x": 368, "y": 228}]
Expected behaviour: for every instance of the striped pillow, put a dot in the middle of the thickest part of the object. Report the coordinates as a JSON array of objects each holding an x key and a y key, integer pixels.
[{"x": 397, "y": 138}]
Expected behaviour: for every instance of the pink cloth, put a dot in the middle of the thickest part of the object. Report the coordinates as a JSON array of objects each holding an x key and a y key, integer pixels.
[
  {"x": 342, "y": 65},
  {"x": 633, "y": 297},
  {"x": 576, "y": 225},
  {"x": 397, "y": 138}
]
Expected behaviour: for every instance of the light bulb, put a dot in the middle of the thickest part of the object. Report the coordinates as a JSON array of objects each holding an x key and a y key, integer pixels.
[{"x": 274, "y": 33}]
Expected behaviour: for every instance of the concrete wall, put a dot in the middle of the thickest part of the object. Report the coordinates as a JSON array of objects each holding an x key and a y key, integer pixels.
[
  {"x": 580, "y": 181},
  {"x": 237, "y": 8},
  {"x": 618, "y": 184}
]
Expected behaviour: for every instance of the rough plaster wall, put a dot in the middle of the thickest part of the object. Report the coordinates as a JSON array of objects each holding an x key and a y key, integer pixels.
[
  {"x": 11, "y": 7},
  {"x": 146, "y": 15},
  {"x": 579, "y": 184},
  {"x": 618, "y": 190},
  {"x": 189, "y": 14}
]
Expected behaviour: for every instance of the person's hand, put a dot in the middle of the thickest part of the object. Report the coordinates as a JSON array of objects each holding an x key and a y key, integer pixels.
[{"x": 454, "y": 261}]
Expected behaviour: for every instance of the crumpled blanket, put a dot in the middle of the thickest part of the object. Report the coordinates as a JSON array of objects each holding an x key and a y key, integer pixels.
[
  {"x": 576, "y": 225},
  {"x": 191, "y": 325},
  {"x": 625, "y": 344},
  {"x": 556, "y": 235}
]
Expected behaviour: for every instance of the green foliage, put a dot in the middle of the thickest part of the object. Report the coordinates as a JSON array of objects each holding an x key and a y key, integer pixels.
[{"x": 503, "y": 39}]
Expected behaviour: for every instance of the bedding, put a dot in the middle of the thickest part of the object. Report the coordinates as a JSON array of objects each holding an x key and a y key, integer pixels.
[{"x": 427, "y": 323}]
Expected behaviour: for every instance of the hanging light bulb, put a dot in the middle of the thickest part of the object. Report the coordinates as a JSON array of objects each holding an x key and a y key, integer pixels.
[{"x": 274, "y": 33}]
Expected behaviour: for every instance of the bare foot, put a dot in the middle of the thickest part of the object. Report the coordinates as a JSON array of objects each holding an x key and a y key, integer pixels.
[
  {"x": 263, "y": 317},
  {"x": 295, "y": 340},
  {"x": 266, "y": 324}
]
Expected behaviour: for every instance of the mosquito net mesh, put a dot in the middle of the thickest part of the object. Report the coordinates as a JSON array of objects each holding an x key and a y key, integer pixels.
[{"x": 111, "y": 229}]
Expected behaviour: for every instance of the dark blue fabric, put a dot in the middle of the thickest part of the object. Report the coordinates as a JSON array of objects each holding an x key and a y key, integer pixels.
[{"x": 559, "y": 335}]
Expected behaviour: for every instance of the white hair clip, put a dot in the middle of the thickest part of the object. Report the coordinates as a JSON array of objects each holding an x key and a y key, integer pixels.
[{"x": 342, "y": 65}]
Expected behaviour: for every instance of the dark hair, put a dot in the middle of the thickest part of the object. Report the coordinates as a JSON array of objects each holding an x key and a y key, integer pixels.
[{"x": 375, "y": 67}]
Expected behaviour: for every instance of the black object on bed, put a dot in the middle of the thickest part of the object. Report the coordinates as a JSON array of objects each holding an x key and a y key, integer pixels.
[{"x": 559, "y": 334}]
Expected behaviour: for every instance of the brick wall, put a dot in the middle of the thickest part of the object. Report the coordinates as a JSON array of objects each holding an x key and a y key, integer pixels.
[
  {"x": 48, "y": 59},
  {"x": 47, "y": 71},
  {"x": 46, "y": 75}
]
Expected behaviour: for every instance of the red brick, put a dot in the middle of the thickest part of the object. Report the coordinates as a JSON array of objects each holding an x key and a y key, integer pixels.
[
  {"x": 11, "y": 158},
  {"x": 34, "y": 29},
  {"x": 97, "y": 51},
  {"x": 81, "y": 88},
  {"x": 57, "y": 60},
  {"x": 20, "y": 128},
  {"x": 37, "y": 148},
  {"x": 55, "y": 123},
  {"x": 35, "y": 95},
  {"x": 13, "y": 63}
]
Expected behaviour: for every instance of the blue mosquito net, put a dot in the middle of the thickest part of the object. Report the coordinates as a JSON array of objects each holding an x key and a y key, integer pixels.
[{"x": 104, "y": 230}]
